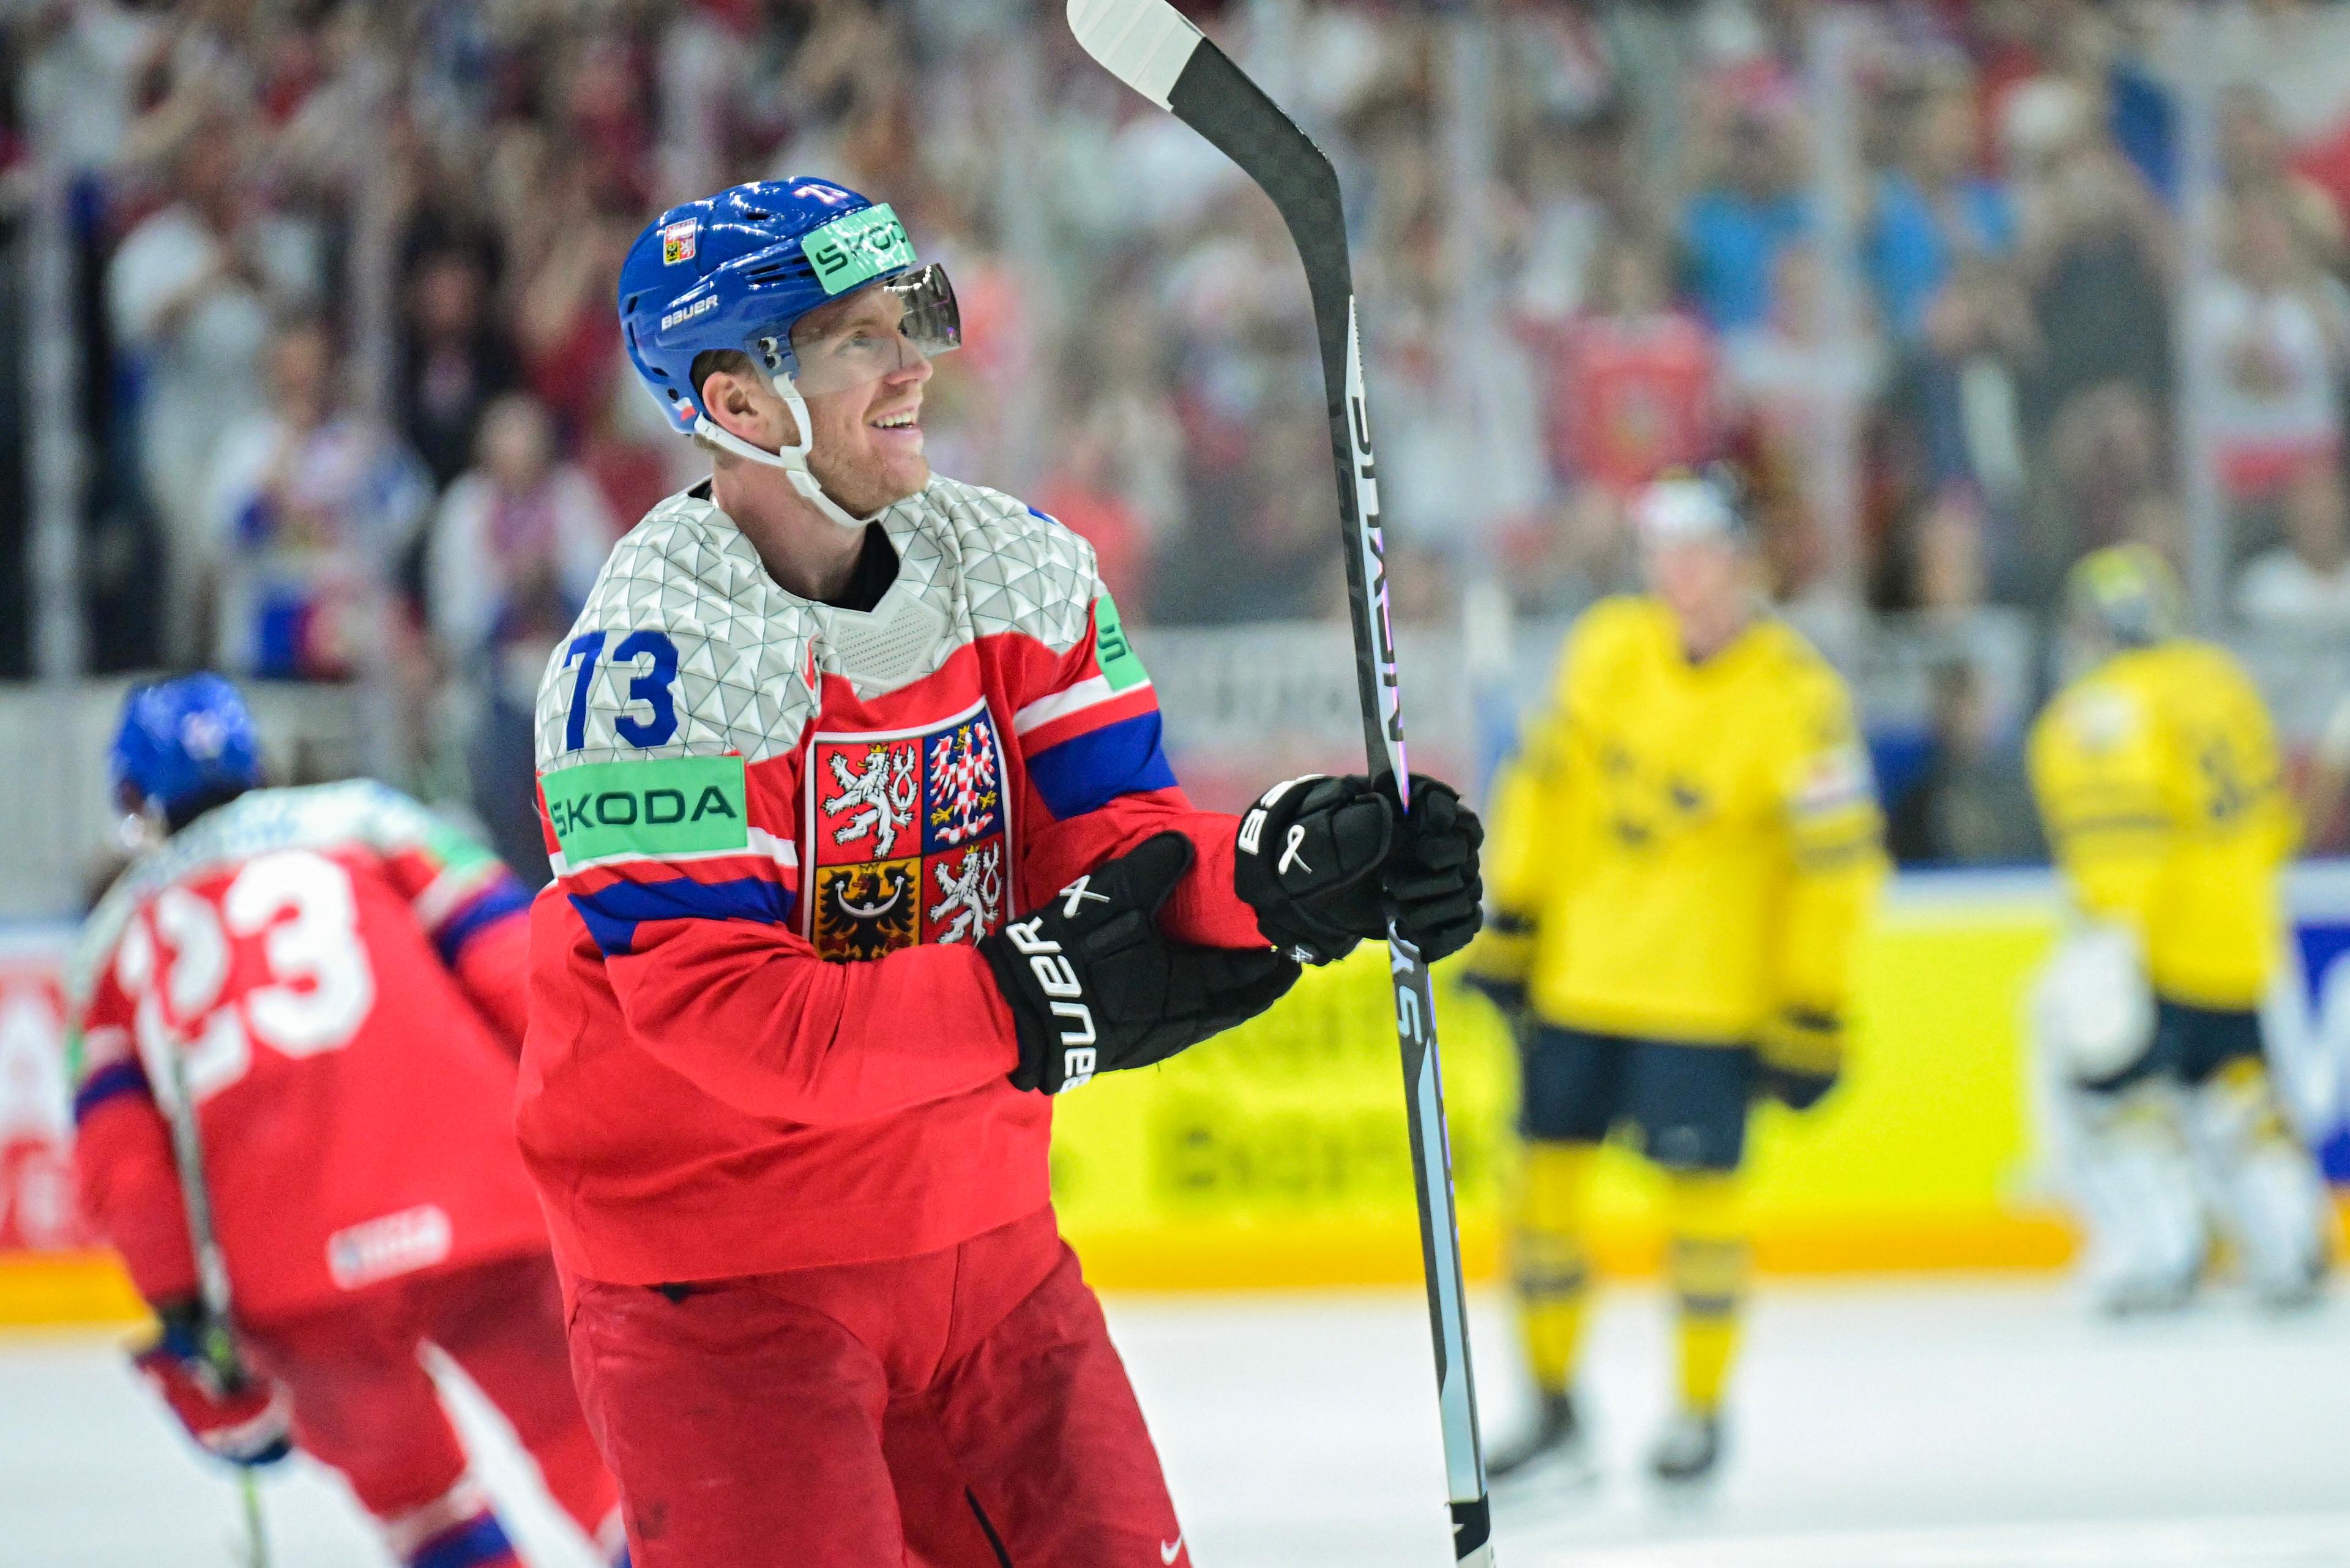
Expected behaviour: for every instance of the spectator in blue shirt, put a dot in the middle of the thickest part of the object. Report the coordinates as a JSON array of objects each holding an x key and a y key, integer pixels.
[
  {"x": 1933, "y": 212},
  {"x": 1733, "y": 229}
]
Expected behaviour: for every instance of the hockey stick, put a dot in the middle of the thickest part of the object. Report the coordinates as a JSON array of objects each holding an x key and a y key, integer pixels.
[
  {"x": 219, "y": 1347},
  {"x": 1149, "y": 45}
]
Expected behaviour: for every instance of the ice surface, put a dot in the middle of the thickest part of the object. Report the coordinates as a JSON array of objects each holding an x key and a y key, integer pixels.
[
  {"x": 1878, "y": 1426},
  {"x": 1976, "y": 1424},
  {"x": 94, "y": 1474}
]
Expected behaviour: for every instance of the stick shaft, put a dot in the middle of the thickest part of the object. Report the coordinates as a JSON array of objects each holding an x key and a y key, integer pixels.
[
  {"x": 212, "y": 1266},
  {"x": 1219, "y": 101},
  {"x": 1380, "y": 690},
  {"x": 256, "y": 1533},
  {"x": 1148, "y": 45}
]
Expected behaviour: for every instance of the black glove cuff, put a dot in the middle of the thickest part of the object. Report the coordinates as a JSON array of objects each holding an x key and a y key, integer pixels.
[
  {"x": 1052, "y": 1024},
  {"x": 1012, "y": 980},
  {"x": 1796, "y": 1090}
]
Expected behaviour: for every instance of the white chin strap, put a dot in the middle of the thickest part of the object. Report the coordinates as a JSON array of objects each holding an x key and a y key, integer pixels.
[{"x": 792, "y": 459}]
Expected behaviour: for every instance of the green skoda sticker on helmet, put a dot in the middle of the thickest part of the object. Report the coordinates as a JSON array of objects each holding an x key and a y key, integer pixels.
[
  {"x": 849, "y": 250},
  {"x": 658, "y": 807}
]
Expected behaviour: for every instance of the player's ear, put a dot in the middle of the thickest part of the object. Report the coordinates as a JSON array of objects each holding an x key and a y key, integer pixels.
[
  {"x": 741, "y": 404},
  {"x": 727, "y": 400}
]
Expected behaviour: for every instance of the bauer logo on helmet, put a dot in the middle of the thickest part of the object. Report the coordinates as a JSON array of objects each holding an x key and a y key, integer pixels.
[{"x": 703, "y": 307}]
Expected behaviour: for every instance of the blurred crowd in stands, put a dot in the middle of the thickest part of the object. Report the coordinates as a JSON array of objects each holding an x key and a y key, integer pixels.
[{"x": 1921, "y": 271}]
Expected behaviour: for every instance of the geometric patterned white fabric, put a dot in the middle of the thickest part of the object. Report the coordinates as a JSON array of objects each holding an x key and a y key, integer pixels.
[
  {"x": 310, "y": 816},
  {"x": 980, "y": 562}
]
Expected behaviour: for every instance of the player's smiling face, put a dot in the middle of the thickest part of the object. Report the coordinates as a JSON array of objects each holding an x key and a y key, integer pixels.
[{"x": 863, "y": 382}]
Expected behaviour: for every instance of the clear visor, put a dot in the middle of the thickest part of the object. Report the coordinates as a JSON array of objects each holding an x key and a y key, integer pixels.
[{"x": 890, "y": 327}]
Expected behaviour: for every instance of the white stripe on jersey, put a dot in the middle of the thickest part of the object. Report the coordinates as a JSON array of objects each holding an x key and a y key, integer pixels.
[
  {"x": 1091, "y": 692},
  {"x": 448, "y": 891}
]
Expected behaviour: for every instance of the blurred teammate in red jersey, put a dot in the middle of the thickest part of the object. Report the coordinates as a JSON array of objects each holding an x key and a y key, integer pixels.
[{"x": 340, "y": 976}]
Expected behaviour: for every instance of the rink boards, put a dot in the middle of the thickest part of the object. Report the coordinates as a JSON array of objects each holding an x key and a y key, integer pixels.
[{"x": 1276, "y": 1156}]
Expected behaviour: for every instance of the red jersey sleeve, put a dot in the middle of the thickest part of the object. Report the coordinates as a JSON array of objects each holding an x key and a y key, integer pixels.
[
  {"x": 122, "y": 1151},
  {"x": 1098, "y": 783},
  {"x": 691, "y": 904},
  {"x": 475, "y": 911}
]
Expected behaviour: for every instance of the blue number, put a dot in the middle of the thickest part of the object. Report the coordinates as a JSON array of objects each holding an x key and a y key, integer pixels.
[
  {"x": 651, "y": 688},
  {"x": 584, "y": 652}
]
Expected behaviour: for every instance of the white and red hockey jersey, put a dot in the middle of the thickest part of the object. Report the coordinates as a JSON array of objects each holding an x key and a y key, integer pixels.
[
  {"x": 341, "y": 976},
  {"x": 760, "y": 1039}
]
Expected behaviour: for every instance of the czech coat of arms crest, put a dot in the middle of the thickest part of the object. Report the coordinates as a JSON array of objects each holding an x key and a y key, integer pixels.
[{"x": 910, "y": 836}]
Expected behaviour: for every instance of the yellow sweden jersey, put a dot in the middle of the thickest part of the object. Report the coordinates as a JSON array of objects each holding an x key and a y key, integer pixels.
[
  {"x": 2158, "y": 780},
  {"x": 1693, "y": 845}
]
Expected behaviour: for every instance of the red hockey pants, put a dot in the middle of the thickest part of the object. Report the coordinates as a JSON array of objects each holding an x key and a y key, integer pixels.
[
  {"x": 960, "y": 1409},
  {"x": 364, "y": 1404}
]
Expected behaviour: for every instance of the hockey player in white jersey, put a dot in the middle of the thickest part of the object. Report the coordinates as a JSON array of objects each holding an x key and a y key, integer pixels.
[{"x": 2159, "y": 776}]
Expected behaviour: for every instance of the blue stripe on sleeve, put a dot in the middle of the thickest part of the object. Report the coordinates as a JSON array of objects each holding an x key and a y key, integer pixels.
[
  {"x": 493, "y": 903},
  {"x": 109, "y": 1082},
  {"x": 1086, "y": 773},
  {"x": 613, "y": 913},
  {"x": 479, "y": 1543}
]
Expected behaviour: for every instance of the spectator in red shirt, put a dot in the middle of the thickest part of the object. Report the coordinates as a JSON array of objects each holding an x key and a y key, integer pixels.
[{"x": 1631, "y": 378}]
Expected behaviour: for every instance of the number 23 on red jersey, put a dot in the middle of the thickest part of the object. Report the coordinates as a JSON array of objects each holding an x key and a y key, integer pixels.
[{"x": 271, "y": 955}]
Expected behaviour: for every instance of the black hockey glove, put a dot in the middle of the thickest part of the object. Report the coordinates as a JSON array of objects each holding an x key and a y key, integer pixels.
[
  {"x": 193, "y": 1366},
  {"x": 1096, "y": 987},
  {"x": 1800, "y": 1057},
  {"x": 1319, "y": 859},
  {"x": 1500, "y": 966},
  {"x": 1432, "y": 876}
]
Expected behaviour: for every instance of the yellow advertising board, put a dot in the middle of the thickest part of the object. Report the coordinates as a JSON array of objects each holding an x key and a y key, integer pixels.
[{"x": 1277, "y": 1154}]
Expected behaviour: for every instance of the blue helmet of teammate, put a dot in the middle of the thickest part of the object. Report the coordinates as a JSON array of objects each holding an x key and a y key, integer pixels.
[
  {"x": 182, "y": 741},
  {"x": 742, "y": 269}
]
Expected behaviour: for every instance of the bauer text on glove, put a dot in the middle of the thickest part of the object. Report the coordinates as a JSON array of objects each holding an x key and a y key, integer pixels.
[{"x": 1095, "y": 986}]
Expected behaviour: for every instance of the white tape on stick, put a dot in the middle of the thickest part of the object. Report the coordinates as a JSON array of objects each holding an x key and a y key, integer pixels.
[{"x": 1144, "y": 44}]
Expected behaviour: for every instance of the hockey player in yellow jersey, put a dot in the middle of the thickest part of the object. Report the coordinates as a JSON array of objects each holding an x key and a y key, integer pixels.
[
  {"x": 2159, "y": 782},
  {"x": 1684, "y": 852}
]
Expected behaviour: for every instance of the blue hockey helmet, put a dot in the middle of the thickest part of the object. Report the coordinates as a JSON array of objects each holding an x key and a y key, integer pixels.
[
  {"x": 741, "y": 270},
  {"x": 184, "y": 740}
]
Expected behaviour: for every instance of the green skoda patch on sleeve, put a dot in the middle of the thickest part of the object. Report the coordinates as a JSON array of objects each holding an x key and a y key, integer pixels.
[
  {"x": 455, "y": 849},
  {"x": 1120, "y": 666},
  {"x": 658, "y": 807},
  {"x": 849, "y": 250}
]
